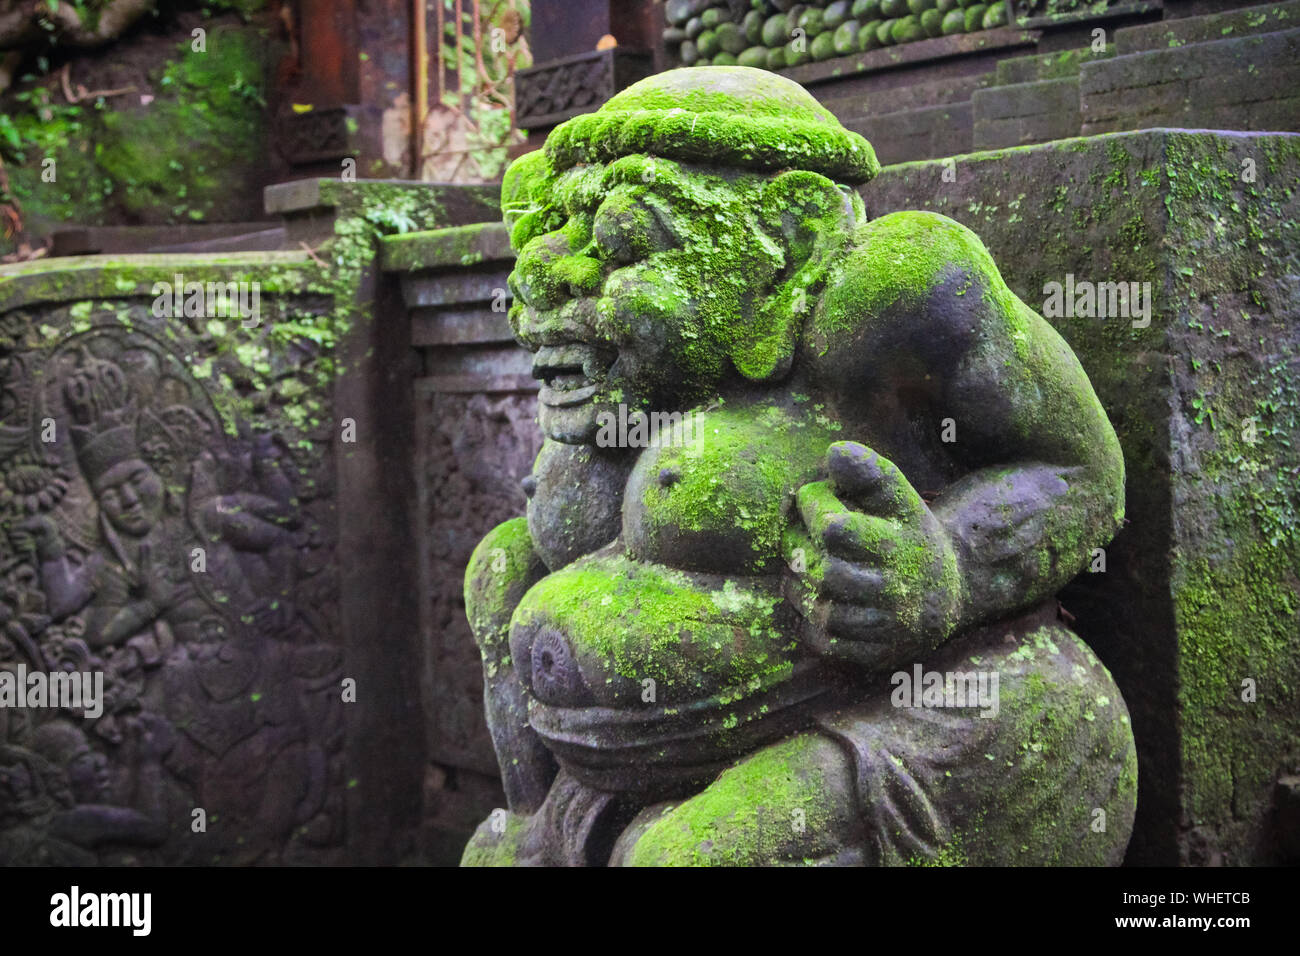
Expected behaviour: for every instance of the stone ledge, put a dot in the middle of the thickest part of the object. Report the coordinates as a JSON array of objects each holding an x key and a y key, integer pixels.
[
  {"x": 911, "y": 54},
  {"x": 73, "y": 278},
  {"x": 446, "y": 248},
  {"x": 1231, "y": 24},
  {"x": 467, "y": 202}
]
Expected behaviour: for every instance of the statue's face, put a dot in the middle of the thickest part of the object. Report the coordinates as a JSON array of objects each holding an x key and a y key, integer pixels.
[
  {"x": 88, "y": 775},
  {"x": 632, "y": 285},
  {"x": 16, "y": 788},
  {"x": 131, "y": 496}
]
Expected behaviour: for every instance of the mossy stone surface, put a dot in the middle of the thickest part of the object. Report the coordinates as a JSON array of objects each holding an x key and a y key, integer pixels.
[{"x": 1199, "y": 595}]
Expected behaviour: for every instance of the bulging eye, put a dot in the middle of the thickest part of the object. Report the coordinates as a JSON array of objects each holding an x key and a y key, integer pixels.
[{"x": 627, "y": 231}]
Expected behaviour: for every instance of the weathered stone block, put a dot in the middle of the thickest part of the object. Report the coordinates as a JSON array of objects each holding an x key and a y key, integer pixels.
[
  {"x": 1051, "y": 66},
  {"x": 914, "y": 96},
  {"x": 1196, "y": 611},
  {"x": 1048, "y": 109},
  {"x": 1163, "y": 34},
  {"x": 922, "y": 133},
  {"x": 170, "y": 524},
  {"x": 1166, "y": 87}
]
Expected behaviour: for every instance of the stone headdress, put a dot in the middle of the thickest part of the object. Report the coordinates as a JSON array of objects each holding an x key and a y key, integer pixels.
[
  {"x": 104, "y": 415},
  {"x": 728, "y": 115}
]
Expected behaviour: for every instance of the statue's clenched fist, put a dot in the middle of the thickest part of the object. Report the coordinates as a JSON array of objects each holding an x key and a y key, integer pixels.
[{"x": 874, "y": 574}]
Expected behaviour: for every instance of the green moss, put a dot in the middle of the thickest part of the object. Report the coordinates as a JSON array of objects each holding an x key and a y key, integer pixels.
[
  {"x": 496, "y": 849},
  {"x": 736, "y": 115},
  {"x": 180, "y": 158},
  {"x": 898, "y": 261},
  {"x": 746, "y": 817},
  {"x": 467, "y": 245},
  {"x": 638, "y": 621},
  {"x": 739, "y": 471},
  {"x": 499, "y": 570}
]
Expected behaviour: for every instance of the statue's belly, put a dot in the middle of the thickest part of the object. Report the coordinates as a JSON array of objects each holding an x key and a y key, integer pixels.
[
  {"x": 672, "y": 647},
  {"x": 717, "y": 493},
  {"x": 632, "y": 665}
]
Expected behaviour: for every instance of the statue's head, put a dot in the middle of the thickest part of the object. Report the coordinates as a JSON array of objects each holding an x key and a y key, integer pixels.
[
  {"x": 65, "y": 746},
  {"x": 131, "y": 495},
  {"x": 675, "y": 239}
]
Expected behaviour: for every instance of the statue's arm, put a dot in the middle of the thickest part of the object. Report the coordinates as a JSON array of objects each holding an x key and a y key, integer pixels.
[
  {"x": 1046, "y": 484},
  {"x": 502, "y": 568},
  {"x": 1030, "y": 475}
]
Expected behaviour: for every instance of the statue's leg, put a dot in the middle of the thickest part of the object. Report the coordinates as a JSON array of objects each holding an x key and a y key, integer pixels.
[
  {"x": 1042, "y": 772},
  {"x": 500, "y": 571},
  {"x": 1047, "y": 775},
  {"x": 792, "y": 802},
  {"x": 575, "y": 826}
]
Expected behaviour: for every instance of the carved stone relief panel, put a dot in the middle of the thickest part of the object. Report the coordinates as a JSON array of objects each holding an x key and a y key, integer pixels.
[
  {"x": 476, "y": 448},
  {"x": 167, "y": 506}
]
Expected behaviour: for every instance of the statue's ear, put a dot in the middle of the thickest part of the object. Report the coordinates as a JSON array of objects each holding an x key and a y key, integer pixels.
[
  {"x": 811, "y": 219},
  {"x": 523, "y": 193}
]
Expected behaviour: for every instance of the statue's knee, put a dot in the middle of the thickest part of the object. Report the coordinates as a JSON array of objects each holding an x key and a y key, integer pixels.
[
  {"x": 789, "y": 803},
  {"x": 497, "y": 841}
]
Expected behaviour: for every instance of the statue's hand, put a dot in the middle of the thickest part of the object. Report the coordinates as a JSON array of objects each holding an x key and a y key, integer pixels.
[
  {"x": 39, "y": 534},
  {"x": 877, "y": 579}
]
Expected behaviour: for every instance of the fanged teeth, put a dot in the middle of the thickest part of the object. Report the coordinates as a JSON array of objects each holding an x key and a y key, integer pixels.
[{"x": 567, "y": 381}]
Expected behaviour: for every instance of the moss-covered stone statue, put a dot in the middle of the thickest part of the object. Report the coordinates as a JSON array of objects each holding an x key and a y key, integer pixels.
[{"x": 784, "y": 591}]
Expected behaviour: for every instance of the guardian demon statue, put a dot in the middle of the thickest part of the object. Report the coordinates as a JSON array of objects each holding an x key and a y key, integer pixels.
[{"x": 812, "y": 620}]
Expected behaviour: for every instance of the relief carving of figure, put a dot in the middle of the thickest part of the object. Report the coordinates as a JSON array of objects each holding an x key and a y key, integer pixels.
[{"x": 170, "y": 566}]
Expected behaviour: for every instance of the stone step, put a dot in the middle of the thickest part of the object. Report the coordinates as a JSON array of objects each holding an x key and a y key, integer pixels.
[
  {"x": 274, "y": 237},
  {"x": 1230, "y": 24},
  {"x": 1019, "y": 114},
  {"x": 1051, "y": 66},
  {"x": 1248, "y": 83},
  {"x": 916, "y": 96},
  {"x": 927, "y": 133},
  {"x": 192, "y": 237}
]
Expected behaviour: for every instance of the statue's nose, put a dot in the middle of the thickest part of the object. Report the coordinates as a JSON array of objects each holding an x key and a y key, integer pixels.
[{"x": 548, "y": 274}]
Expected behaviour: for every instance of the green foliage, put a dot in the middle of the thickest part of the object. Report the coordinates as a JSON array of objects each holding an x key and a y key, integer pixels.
[
  {"x": 170, "y": 160},
  {"x": 480, "y": 78}
]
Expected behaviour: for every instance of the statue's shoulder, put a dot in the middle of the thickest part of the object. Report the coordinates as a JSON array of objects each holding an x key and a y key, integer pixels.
[{"x": 911, "y": 269}]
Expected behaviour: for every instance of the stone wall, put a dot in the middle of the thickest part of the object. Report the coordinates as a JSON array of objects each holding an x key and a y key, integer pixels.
[
  {"x": 475, "y": 418},
  {"x": 1197, "y": 610},
  {"x": 221, "y": 522}
]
